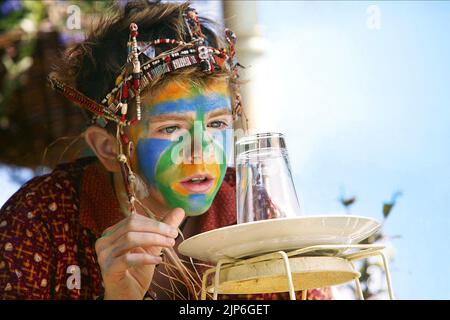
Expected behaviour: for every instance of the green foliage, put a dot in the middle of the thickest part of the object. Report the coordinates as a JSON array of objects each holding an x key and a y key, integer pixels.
[
  {"x": 367, "y": 265},
  {"x": 20, "y": 21}
]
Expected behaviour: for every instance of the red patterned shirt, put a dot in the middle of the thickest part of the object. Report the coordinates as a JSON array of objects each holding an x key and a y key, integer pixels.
[{"x": 49, "y": 227}]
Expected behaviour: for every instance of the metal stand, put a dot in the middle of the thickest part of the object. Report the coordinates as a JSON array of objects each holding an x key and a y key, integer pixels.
[{"x": 350, "y": 253}]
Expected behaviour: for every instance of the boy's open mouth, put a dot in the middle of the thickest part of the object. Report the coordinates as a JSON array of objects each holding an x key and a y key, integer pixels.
[{"x": 198, "y": 183}]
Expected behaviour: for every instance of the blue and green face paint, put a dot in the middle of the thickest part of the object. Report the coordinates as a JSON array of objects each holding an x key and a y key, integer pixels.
[{"x": 182, "y": 148}]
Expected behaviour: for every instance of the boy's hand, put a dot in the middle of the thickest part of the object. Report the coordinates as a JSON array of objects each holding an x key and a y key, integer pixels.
[{"x": 128, "y": 252}]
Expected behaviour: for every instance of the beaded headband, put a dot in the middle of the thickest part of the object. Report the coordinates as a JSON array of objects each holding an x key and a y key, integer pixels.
[{"x": 141, "y": 68}]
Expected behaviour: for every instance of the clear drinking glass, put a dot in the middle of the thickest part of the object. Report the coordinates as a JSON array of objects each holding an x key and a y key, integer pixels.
[{"x": 264, "y": 185}]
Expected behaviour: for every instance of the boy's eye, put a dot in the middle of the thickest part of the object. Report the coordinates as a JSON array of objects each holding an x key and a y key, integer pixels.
[
  {"x": 218, "y": 124},
  {"x": 169, "y": 130}
]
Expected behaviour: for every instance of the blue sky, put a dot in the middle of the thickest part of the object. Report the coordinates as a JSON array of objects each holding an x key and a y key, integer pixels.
[{"x": 367, "y": 111}]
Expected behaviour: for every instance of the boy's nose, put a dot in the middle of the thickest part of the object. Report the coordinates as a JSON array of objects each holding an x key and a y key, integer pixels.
[
  {"x": 197, "y": 143},
  {"x": 200, "y": 141}
]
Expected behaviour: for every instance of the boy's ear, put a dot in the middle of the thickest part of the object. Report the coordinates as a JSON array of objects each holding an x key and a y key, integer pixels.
[{"x": 104, "y": 145}]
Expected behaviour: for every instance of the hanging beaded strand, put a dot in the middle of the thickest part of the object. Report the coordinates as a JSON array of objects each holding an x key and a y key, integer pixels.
[
  {"x": 136, "y": 68},
  {"x": 128, "y": 176},
  {"x": 125, "y": 169},
  {"x": 238, "y": 109}
]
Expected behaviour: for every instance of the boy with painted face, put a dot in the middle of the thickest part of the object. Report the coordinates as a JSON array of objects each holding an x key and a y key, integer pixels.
[
  {"x": 70, "y": 234},
  {"x": 183, "y": 144}
]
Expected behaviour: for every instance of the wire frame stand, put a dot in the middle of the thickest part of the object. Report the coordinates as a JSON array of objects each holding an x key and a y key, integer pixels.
[{"x": 346, "y": 254}]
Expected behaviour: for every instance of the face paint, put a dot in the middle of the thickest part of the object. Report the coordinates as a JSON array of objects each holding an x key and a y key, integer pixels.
[{"x": 170, "y": 165}]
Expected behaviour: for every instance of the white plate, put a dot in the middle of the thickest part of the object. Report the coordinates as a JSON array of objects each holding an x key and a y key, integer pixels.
[{"x": 252, "y": 238}]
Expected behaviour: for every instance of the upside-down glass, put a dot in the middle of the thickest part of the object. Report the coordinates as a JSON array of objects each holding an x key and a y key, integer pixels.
[{"x": 265, "y": 189}]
